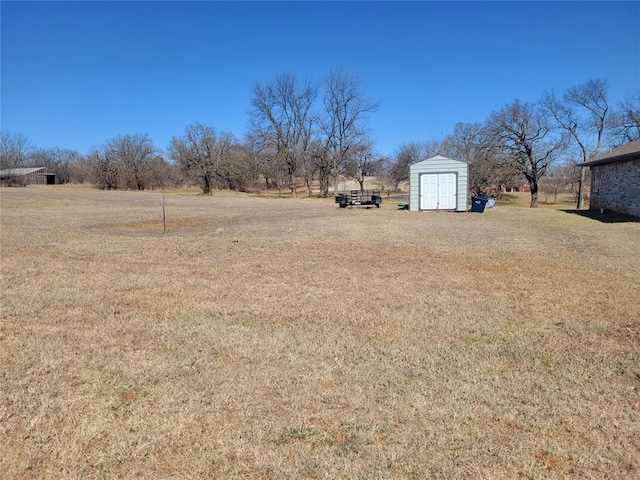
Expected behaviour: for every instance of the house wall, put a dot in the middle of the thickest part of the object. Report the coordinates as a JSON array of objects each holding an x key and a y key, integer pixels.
[
  {"x": 438, "y": 164},
  {"x": 616, "y": 187}
]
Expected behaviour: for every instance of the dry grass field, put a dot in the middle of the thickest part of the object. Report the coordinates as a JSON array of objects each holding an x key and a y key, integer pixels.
[{"x": 289, "y": 339}]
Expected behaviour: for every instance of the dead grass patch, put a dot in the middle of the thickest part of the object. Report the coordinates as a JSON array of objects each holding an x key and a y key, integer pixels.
[{"x": 279, "y": 338}]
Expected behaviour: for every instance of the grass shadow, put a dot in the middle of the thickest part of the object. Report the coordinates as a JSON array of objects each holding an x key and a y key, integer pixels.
[{"x": 605, "y": 217}]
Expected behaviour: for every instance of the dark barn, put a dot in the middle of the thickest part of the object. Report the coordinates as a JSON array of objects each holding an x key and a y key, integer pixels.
[{"x": 27, "y": 176}]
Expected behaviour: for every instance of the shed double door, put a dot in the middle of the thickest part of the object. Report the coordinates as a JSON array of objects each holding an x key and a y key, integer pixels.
[{"x": 438, "y": 191}]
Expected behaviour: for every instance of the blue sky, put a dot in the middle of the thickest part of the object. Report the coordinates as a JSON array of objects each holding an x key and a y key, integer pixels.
[{"x": 76, "y": 74}]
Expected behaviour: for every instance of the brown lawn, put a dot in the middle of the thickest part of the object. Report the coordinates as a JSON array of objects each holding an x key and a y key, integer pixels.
[{"x": 278, "y": 338}]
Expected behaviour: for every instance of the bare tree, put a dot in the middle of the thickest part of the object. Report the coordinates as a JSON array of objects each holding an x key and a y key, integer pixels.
[
  {"x": 134, "y": 155},
  {"x": 14, "y": 149},
  {"x": 161, "y": 173},
  {"x": 268, "y": 167},
  {"x": 471, "y": 143},
  {"x": 361, "y": 164},
  {"x": 104, "y": 168},
  {"x": 625, "y": 123},
  {"x": 59, "y": 160},
  {"x": 558, "y": 180},
  {"x": 322, "y": 163},
  {"x": 199, "y": 152},
  {"x": 409, "y": 153},
  {"x": 253, "y": 159},
  {"x": 406, "y": 154},
  {"x": 282, "y": 121},
  {"x": 259, "y": 162},
  {"x": 274, "y": 171},
  {"x": 315, "y": 161},
  {"x": 582, "y": 114},
  {"x": 81, "y": 170},
  {"x": 468, "y": 143},
  {"x": 523, "y": 137},
  {"x": 384, "y": 181},
  {"x": 432, "y": 148},
  {"x": 234, "y": 167},
  {"x": 346, "y": 111}
]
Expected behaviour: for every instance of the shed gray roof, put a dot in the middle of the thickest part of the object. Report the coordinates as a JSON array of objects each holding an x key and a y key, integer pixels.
[
  {"x": 625, "y": 152},
  {"x": 437, "y": 158}
]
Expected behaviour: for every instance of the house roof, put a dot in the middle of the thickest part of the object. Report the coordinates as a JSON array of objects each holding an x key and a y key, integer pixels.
[
  {"x": 16, "y": 172},
  {"x": 626, "y": 152}
]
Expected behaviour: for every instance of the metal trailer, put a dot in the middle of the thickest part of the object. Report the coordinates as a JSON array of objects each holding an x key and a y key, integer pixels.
[{"x": 359, "y": 198}]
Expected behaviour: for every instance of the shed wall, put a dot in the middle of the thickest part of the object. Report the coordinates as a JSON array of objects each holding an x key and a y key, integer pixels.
[
  {"x": 438, "y": 165},
  {"x": 616, "y": 187}
]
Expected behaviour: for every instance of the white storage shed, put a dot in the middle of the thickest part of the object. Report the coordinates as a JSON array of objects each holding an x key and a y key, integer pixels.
[{"x": 438, "y": 183}]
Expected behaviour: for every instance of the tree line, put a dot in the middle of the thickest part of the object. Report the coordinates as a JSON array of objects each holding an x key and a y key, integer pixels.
[
  {"x": 303, "y": 133},
  {"x": 542, "y": 142}
]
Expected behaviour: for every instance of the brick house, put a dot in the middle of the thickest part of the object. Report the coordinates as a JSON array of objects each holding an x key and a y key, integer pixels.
[{"x": 615, "y": 180}]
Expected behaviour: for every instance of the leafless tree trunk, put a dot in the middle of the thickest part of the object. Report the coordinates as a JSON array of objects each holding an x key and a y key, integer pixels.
[
  {"x": 310, "y": 164},
  {"x": 582, "y": 114},
  {"x": 323, "y": 166},
  {"x": 282, "y": 121}
]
